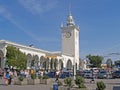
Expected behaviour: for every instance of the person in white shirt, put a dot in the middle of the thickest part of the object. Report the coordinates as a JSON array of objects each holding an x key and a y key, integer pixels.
[{"x": 57, "y": 76}]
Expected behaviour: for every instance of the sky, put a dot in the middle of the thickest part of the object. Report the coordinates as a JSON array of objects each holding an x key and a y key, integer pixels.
[{"x": 38, "y": 22}]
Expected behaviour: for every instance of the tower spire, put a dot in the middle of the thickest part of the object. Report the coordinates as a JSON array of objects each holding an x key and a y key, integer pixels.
[{"x": 70, "y": 20}]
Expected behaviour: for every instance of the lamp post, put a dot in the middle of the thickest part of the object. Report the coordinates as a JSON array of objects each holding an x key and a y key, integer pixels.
[
  {"x": 74, "y": 68},
  {"x": 74, "y": 72}
]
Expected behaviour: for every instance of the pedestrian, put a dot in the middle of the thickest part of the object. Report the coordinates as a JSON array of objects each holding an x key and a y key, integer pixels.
[
  {"x": 11, "y": 77},
  {"x": 41, "y": 73},
  {"x": 7, "y": 78},
  {"x": 93, "y": 77},
  {"x": 57, "y": 76}
]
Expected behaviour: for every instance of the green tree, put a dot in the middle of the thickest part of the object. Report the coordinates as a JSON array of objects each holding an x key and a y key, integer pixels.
[
  {"x": 15, "y": 57},
  {"x": 109, "y": 63},
  {"x": 117, "y": 62},
  {"x": 96, "y": 61}
]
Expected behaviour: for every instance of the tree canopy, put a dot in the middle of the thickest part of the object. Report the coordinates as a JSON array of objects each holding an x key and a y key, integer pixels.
[
  {"x": 95, "y": 61},
  {"x": 109, "y": 63},
  {"x": 117, "y": 63},
  {"x": 16, "y": 58}
]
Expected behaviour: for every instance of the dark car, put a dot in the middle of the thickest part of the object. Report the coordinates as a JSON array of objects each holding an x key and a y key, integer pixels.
[
  {"x": 80, "y": 73},
  {"x": 51, "y": 74},
  {"x": 104, "y": 74},
  {"x": 66, "y": 74},
  {"x": 116, "y": 74}
]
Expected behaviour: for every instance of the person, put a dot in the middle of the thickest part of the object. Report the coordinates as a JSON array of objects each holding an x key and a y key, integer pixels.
[
  {"x": 1, "y": 73},
  {"x": 22, "y": 73},
  {"x": 41, "y": 73},
  {"x": 15, "y": 73},
  {"x": 26, "y": 73},
  {"x": 11, "y": 76},
  {"x": 57, "y": 76},
  {"x": 92, "y": 79},
  {"x": 6, "y": 78},
  {"x": 32, "y": 71}
]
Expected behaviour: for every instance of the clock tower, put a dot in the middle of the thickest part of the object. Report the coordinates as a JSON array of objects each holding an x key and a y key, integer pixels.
[{"x": 70, "y": 40}]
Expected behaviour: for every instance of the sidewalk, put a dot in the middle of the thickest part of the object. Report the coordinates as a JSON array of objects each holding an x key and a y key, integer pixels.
[
  {"x": 110, "y": 84},
  {"x": 25, "y": 87}
]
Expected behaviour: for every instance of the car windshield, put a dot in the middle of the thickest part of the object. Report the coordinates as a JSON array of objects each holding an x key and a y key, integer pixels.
[
  {"x": 102, "y": 72},
  {"x": 88, "y": 72}
]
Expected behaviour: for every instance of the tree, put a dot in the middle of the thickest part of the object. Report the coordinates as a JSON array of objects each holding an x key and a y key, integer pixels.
[
  {"x": 109, "y": 63},
  {"x": 96, "y": 61},
  {"x": 117, "y": 63},
  {"x": 16, "y": 58}
]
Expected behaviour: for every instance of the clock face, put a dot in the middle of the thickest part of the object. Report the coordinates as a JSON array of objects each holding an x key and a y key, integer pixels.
[{"x": 68, "y": 34}]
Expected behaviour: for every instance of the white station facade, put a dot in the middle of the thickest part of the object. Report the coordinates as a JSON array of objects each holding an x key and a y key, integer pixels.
[{"x": 67, "y": 58}]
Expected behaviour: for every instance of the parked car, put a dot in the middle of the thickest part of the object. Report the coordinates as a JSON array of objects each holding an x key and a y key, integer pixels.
[
  {"x": 80, "y": 73},
  {"x": 66, "y": 74},
  {"x": 88, "y": 74},
  {"x": 104, "y": 74},
  {"x": 116, "y": 74},
  {"x": 51, "y": 74}
]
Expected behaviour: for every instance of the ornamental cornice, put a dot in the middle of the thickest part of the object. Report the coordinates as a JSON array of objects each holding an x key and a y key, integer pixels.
[
  {"x": 27, "y": 47},
  {"x": 70, "y": 27}
]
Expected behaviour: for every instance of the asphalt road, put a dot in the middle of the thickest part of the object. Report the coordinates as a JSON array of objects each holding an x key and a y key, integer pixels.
[{"x": 110, "y": 84}]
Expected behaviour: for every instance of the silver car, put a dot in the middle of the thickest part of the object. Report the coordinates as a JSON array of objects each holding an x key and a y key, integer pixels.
[
  {"x": 88, "y": 74},
  {"x": 104, "y": 75}
]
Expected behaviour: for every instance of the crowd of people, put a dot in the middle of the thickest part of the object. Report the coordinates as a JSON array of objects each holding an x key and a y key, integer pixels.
[{"x": 9, "y": 74}]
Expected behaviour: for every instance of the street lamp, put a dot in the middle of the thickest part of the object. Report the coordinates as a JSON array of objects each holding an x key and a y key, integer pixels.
[
  {"x": 74, "y": 72},
  {"x": 74, "y": 68}
]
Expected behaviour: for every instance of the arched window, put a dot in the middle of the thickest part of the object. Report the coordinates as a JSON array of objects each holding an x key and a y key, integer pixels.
[{"x": 69, "y": 65}]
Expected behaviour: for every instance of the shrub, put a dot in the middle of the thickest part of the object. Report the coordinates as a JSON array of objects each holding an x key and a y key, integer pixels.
[
  {"x": 59, "y": 83},
  {"x": 21, "y": 78},
  {"x": 33, "y": 76},
  {"x": 81, "y": 85},
  {"x": 101, "y": 85},
  {"x": 68, "y": 81},
  {"x": 45, "y": 77},
  {"x": 80, "y": 82},
  {"x": 40, "y": 77}
]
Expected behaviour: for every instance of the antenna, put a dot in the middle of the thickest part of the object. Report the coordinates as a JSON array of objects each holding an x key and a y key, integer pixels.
[{"x": 69, "y": 8}]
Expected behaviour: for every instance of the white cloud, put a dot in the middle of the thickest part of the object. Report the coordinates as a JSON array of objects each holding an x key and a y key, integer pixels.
[{"x": 38, "y": 6}]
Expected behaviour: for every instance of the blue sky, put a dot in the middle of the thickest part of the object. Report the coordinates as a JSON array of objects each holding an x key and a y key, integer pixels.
[{"x": 38, "y": 22}]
